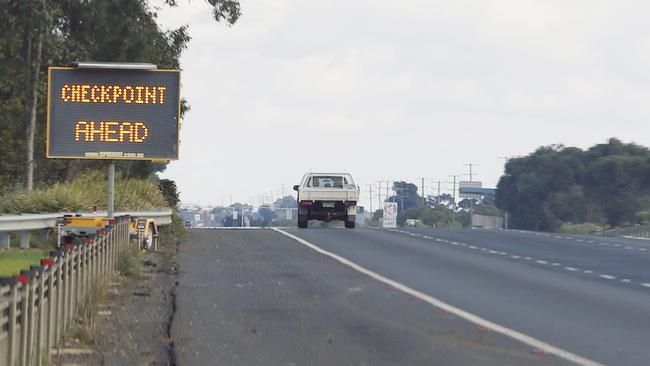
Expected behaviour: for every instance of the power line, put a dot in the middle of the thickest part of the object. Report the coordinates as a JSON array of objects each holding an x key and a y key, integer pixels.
[{"x": 470, "y": 165}]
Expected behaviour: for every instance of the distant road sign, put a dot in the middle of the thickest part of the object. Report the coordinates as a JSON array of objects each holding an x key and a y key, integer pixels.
[
  {"x": 116, "y": 114},
  {"x": 390, "y": 215}
]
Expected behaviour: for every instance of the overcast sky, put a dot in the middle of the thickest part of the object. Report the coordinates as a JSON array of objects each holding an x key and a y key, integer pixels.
[{"x": 401, "y": 89}]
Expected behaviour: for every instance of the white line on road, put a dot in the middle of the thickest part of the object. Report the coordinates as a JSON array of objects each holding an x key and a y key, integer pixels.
[
  {"x": 588, "y": 271},
  {"x": 521, "y": 337},
  {"x": 645, "y": 284},
  {"x": 608, "y": 277},
  {"x": 572, "y": 269},
  {"x": 626, "y": 280},
  {"x": 555, "y": 264},
  {"x": 515, "y": 256}
]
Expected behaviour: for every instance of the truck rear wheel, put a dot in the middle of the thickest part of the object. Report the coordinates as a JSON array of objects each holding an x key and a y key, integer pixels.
[
  {"x": 349, "y": 224},
  {"x": 302, "y": 222}
]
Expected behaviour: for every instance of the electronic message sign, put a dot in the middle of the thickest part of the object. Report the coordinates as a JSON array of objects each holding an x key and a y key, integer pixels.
[{"x": 113, "y": 114}]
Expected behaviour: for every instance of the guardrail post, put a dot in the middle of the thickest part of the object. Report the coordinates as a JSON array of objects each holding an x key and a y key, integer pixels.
[
  {"x": 30, "y": 319},
  {"x": 79, "y": 277},
  {"x": 86, "y": 262},
  {"x": 111, "y": 250},
  {"x": 11, "y": 344},
  {"x": 50, "y": 308},
  {"x": 73, "y": 285},
  {"x": 65, "y": 285},
  {"x": 93, "y": 259},
  {"x": 24, "y": 239},
  {"x": 59, "y": 299},
  {"x": 102, "y": 256},
  {"x": 5, "y": 240},
  {"x": 24, "y": 314},
  {"x": 41, "y": 324}
]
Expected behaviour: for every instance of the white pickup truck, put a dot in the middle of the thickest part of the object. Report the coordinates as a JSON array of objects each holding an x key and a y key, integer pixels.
[{"x": 326, "y": 197}]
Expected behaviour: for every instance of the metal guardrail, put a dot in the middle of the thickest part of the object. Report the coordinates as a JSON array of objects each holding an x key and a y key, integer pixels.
[
  {"x": 38, "y": 306},
  {"x": 642, "y": 231},
  {"x": 26, "y": 223}
]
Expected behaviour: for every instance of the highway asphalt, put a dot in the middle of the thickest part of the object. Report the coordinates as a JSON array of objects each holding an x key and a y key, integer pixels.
[
  {"x": 587, "y": 295},
  {"x": 257, "y": 297}
]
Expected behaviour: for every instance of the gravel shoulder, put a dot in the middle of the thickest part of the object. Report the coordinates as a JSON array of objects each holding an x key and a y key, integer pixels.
[{"x": 133, "y": 320}]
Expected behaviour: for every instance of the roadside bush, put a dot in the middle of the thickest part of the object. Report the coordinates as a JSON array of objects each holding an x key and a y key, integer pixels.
[
  {"x": 586, "y": 228},
  {"x": 168, "y": 234},
  {"x": 128, "y": 262},
  {"x": 85, "y": 191}
]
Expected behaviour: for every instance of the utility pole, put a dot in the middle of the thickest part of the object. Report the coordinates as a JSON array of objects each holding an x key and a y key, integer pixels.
[
  {"x": 437, "y": 182},
  {"x": 379, "y": 199},
  {"x": 388, "y": 190},
  {"x": 423, "y": 197},
  {"x": 470, "y": 165},
  {"x": 453, "y": 214},
  {"x": 370, "y": 192},
  {"x": 471, "y": 209}
]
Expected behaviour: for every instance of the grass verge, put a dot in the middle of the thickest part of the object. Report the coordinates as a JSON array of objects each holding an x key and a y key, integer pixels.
[
  {"x": 128, "y": 262},
  {"x": 15, "y": 260}
]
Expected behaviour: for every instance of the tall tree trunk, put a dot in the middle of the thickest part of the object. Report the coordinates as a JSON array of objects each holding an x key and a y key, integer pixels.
[
  {"x": 33, "y": 98},
  {"x": 29, "y": 31}
]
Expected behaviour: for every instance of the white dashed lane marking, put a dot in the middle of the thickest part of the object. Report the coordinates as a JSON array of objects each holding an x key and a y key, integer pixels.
[
  {"x": 583, "y": 240},
  {"x": 540, "y": 261}
]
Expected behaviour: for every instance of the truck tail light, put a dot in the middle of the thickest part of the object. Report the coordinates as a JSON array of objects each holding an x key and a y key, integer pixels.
[{"x": 305, "y": 203}]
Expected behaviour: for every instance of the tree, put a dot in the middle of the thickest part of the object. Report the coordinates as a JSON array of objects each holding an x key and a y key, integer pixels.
[
  {"x": 170, "y": 192},
  {"x": 286, "y": 202},
  {"x": 38, "y": 33},
  {"x": 608, "y": 184}
]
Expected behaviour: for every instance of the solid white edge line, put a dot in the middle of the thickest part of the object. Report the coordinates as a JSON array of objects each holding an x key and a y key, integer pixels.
[{"x": 523, "y": 338}]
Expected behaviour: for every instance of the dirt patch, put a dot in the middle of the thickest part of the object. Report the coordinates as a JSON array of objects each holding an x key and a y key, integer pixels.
[{"x": 133, "y": 323}]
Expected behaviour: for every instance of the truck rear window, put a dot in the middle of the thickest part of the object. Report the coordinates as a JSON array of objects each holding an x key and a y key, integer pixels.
[{"x": 326, "y": 181}]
